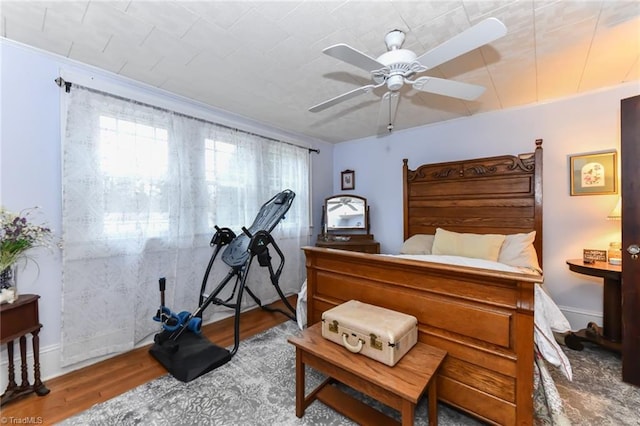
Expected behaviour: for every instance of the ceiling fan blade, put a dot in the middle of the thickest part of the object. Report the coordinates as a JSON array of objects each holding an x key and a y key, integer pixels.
[
  {"x": 352, "y": 56},
  {"x": 335, "y": 207},
  {"x": 480, "y": 34},
  {"x": 454, "y": 89},
  {"x": 388, "y": 109},
  {"x": 333, "y": 101}
]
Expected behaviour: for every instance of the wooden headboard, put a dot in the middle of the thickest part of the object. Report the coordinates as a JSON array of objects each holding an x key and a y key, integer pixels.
[{"x": 493, "y": 195}]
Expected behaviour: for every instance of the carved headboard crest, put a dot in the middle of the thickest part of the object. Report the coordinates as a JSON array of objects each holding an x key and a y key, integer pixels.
[{"x": 474, "y": 168}]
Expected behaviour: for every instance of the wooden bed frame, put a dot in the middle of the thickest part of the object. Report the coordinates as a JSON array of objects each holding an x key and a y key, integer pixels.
[{"x": 482, "y": 318}]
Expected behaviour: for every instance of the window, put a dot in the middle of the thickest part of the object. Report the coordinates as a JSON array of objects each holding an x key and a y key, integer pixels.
[
  {"x": 224, "y": 176},
  {"x": 134, "y": 163}
]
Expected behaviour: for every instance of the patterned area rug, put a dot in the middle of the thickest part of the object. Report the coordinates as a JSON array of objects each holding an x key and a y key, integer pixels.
[
  {"x": 597, "y": 395},
  {"x": 257, "y": 387}
]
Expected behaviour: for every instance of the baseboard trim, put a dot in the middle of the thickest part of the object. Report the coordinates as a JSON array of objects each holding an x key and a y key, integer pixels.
[{"x": 579, "y": 318}]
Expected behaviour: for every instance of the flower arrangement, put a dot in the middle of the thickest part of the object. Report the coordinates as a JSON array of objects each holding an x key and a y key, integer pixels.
[{"x": 19, "y": 234}]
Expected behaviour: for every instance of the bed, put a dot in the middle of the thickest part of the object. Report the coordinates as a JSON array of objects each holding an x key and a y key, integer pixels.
[{"x": 483, "y": 318}]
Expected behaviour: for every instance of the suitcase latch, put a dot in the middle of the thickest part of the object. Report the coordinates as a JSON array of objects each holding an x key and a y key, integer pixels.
[
  {"x": 374, "y": 342},
  {"x": 333, "y": 326}
]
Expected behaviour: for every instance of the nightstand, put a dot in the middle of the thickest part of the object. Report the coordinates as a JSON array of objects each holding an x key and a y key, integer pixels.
[
  {"x": 358, "y": 242},
  {"x": 18, "y": 319},
  {"x": 611, "y": 335}
]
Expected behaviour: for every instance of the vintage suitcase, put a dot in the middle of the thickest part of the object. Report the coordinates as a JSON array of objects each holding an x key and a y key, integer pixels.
[{"x": 378, "y": 333}]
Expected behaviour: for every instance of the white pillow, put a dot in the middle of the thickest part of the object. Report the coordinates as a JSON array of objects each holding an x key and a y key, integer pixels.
[
  {"x": 418, "y": 244},
  {"x": 518, "y": 250},
  {"x": 478, "y": 246}
]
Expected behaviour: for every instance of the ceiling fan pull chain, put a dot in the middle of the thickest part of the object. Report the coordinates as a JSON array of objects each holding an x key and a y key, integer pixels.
[{"x": 390, "y": 126}]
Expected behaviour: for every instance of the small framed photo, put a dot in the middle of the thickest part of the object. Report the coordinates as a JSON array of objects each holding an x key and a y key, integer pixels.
[
  {"x": 592, "y": 255},
  {"x": 348, "y": 180},
  {"x": 594, "y": 174}
]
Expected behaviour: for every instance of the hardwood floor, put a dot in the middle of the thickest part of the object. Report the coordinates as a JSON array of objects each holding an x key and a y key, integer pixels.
[{"x": 81, "y": 389}]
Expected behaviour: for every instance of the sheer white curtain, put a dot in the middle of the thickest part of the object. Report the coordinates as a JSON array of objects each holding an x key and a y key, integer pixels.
[{"x": 142, "y": 191}]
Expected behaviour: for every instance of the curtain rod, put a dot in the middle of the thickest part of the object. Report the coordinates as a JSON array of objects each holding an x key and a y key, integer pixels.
[{"x": 60, "y": 82}]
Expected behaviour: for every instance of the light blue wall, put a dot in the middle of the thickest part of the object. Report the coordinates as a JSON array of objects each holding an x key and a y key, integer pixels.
[
  {"x": 30, "y": 168},
  {"x": 579, "y": 124}
]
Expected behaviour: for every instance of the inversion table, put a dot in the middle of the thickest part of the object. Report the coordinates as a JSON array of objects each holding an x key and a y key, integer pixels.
[{"x": 180, "y": 347}]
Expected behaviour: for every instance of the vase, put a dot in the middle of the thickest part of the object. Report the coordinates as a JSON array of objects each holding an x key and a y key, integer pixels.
[{"x": 8, "y": 285}]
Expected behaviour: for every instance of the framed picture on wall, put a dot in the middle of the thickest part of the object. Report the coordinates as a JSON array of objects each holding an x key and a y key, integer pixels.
[
  {"x": 348, "y": 180},
  {"x": 594, "y": 174}
]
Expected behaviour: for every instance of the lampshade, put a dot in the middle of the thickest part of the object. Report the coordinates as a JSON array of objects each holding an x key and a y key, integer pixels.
[{"x": 616, "y": 213}]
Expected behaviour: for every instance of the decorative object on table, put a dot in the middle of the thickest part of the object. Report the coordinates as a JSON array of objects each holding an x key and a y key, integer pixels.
[
  {"x": 592, "y": 255},
  {"x": 594, "y": 174},
  {"x": 8, "y": 292},
  {"x": 615, "y": 253},
  {"x": 615, "y": 248},
  {"x": 348, "y": 179},
  {"x": 18, "y": 234}
]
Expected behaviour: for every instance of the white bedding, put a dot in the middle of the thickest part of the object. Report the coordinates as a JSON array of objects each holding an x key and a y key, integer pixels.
[
  {"x": 547, "y": 316},
  {"x": 467, "y": 261}
]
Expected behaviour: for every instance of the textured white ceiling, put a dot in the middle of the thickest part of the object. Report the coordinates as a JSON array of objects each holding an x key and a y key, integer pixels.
[{"x": 263, "y": 59}]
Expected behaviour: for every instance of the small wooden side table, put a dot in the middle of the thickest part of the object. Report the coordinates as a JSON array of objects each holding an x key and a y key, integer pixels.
[
  {"x": 400, "y": 387},
  {"x": 18, "y": 319},
  {"x": 611, "y": 336}
]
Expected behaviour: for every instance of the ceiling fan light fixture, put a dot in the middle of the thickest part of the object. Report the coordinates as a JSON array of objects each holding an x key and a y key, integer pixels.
[{"x": 395, "y": 82}]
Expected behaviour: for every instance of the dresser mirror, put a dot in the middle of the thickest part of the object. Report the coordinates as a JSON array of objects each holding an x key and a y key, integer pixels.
[
  {"x": 345, "y": 225},
  {"x": 346, "y": 213}
]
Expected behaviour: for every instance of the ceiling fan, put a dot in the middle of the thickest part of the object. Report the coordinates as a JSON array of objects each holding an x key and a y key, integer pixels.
[{"x": 398, "y": 66}]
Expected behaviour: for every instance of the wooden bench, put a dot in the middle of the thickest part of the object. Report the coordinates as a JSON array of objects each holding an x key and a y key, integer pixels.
[{"x": 400, "y": 387}]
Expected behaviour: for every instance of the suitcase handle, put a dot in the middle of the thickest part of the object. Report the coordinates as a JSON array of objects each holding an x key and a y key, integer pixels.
[{"x": 352, "y": 348}]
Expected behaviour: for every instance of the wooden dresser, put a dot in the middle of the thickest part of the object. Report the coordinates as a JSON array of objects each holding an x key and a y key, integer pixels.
[{"x": 358, "y": 242}]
